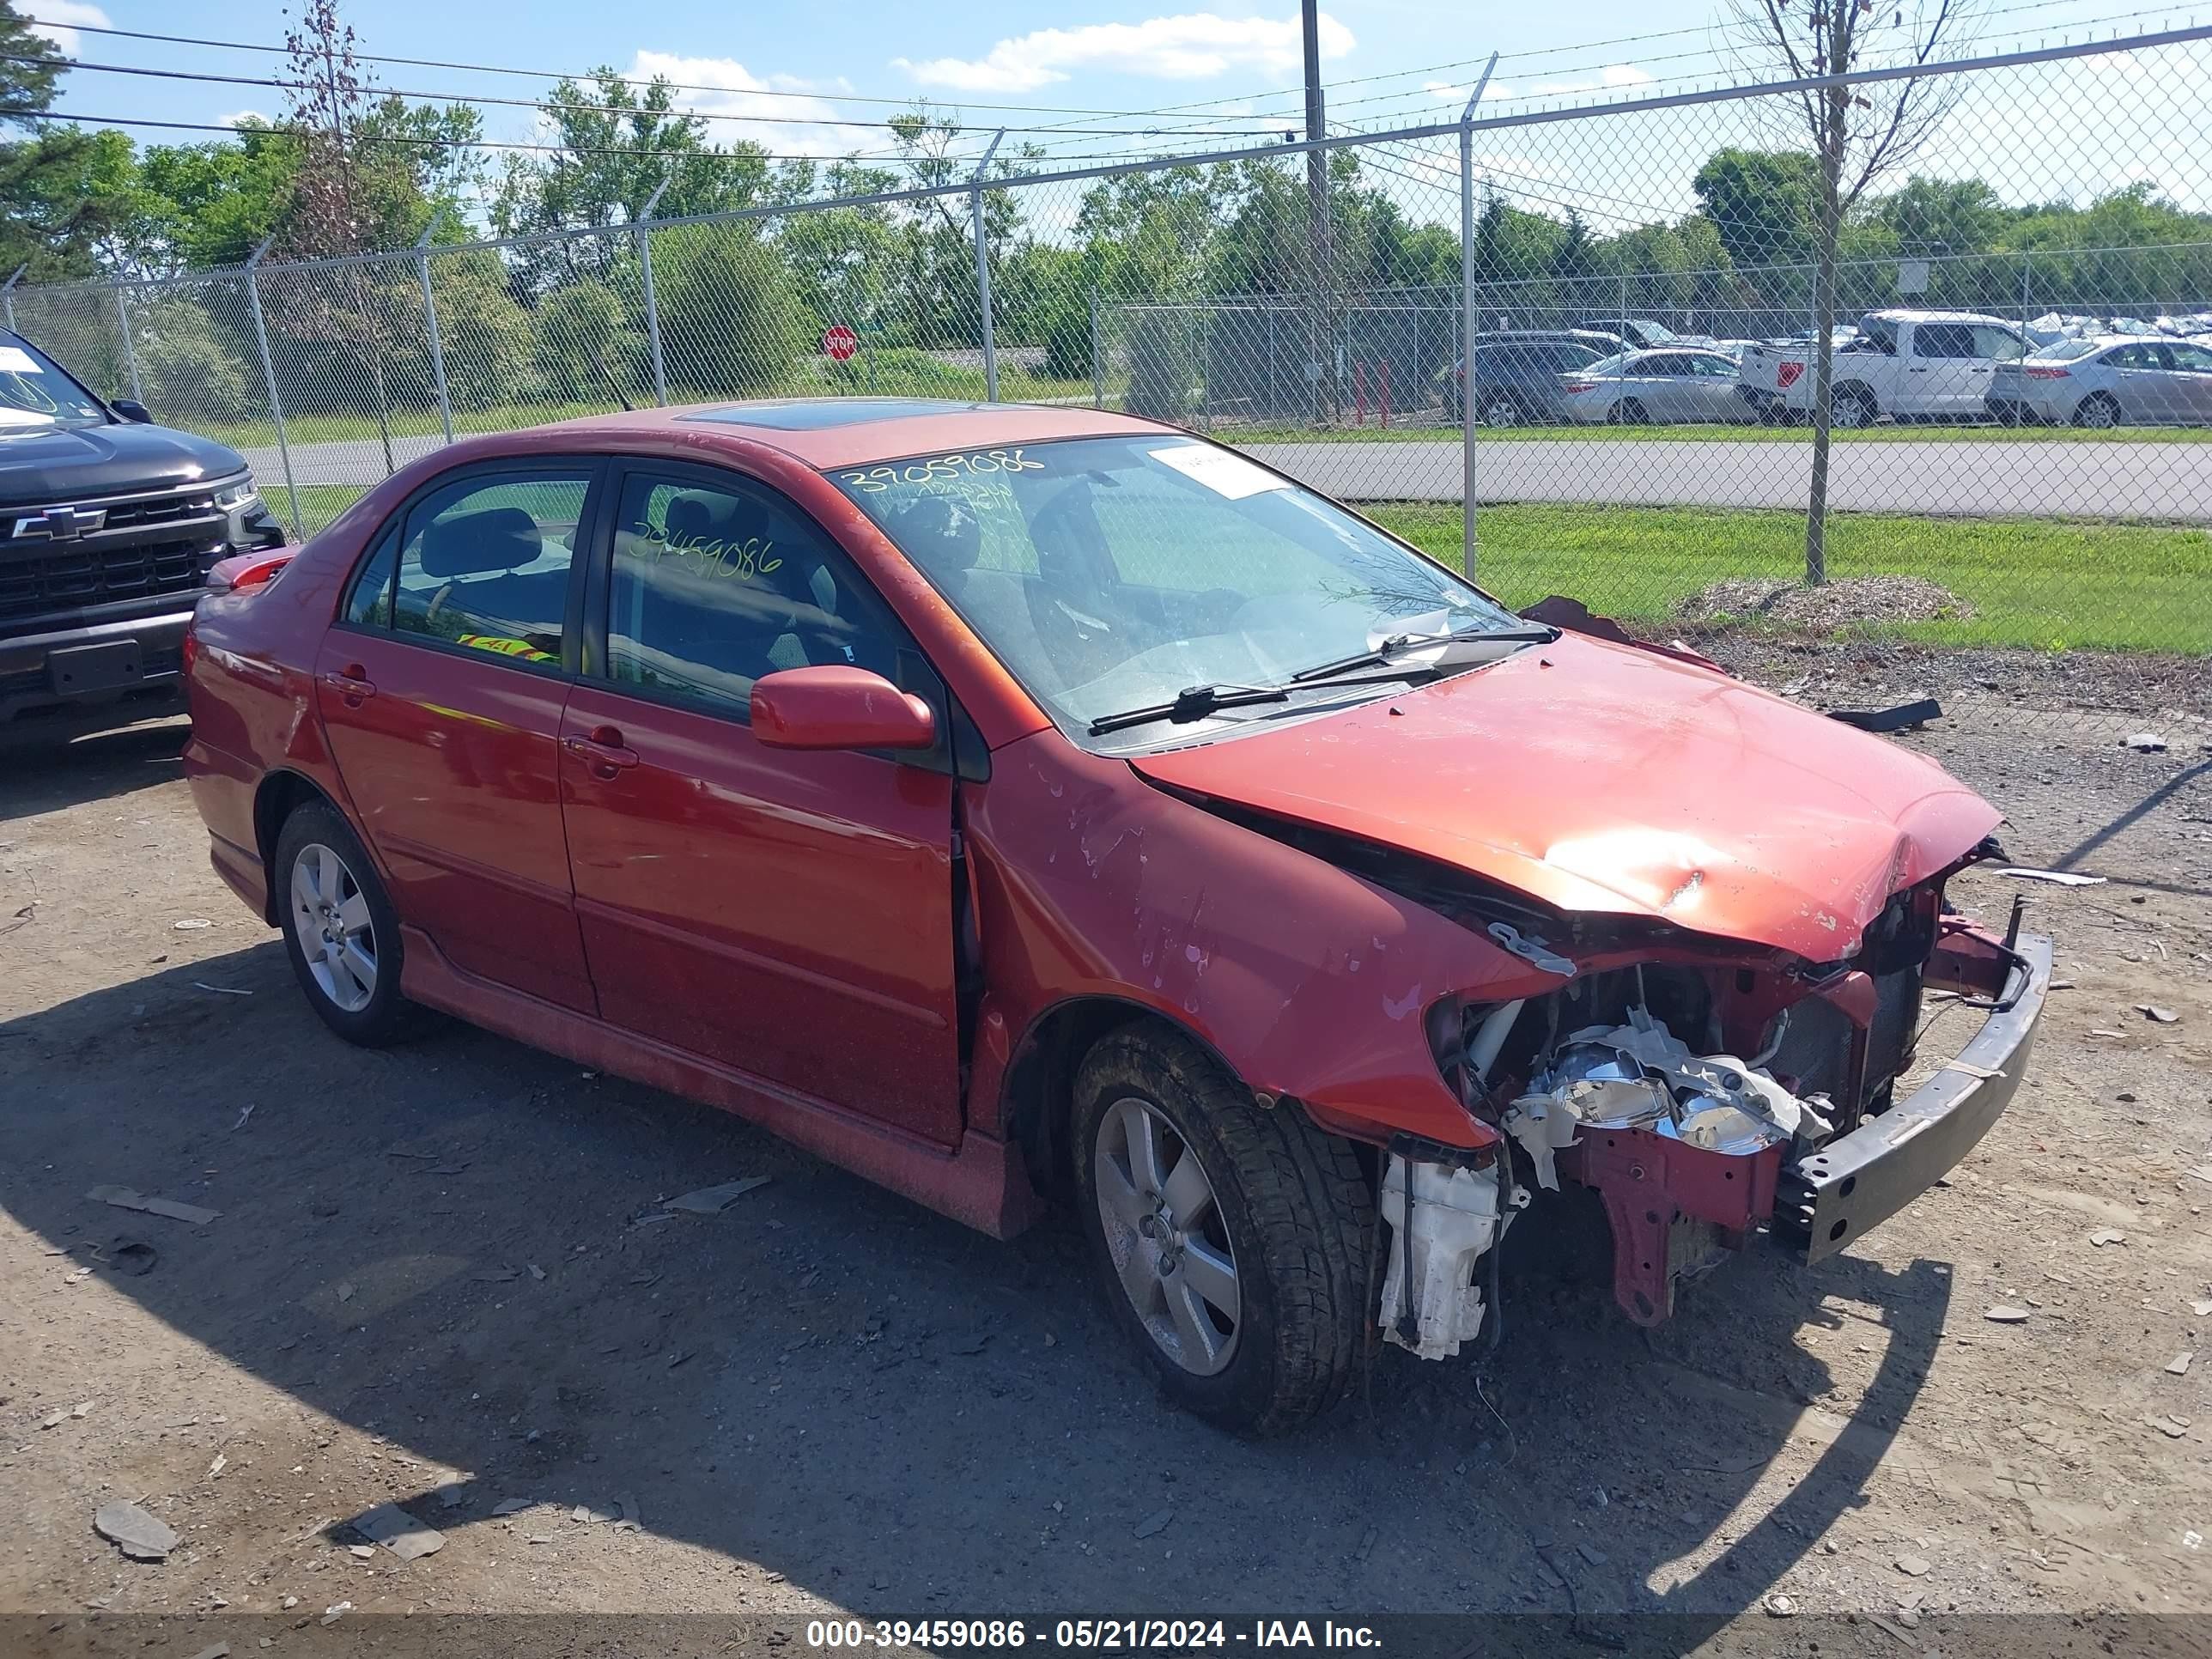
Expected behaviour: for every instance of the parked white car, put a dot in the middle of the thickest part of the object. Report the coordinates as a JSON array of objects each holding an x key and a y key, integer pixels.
[
  {"x": 1901, "y": 365},
  {"x": 2141, "y": 379}
]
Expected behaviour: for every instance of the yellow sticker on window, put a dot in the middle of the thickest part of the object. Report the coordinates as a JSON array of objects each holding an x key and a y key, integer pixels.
[{"x": 505, "y": 647}]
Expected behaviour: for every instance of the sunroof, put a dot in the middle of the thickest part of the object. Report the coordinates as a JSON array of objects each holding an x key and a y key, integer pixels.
[{"x": 822, "y": 414}]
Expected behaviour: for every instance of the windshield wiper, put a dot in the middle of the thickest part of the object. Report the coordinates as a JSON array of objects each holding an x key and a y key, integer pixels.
[
  {"x": 1397, "y": 644},
  {"x": 1193, "y": 704}
]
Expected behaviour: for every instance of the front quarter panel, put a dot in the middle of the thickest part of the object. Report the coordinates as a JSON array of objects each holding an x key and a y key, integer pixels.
[{"x": 1309, "y": 981}]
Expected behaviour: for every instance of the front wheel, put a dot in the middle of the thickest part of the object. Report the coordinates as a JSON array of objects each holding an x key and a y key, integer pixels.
[
  {"x": 2098, "y": 412},
  {"x": 1231, "y": 1241},
  {"x": 340, "y": 931},
  {"x": 1504, "y": 411}
]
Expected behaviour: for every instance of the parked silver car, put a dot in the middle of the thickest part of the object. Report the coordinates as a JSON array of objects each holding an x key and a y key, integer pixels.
[
  {"x": 2144, "y": 379},
  {"x": 1671, "y": 384}
]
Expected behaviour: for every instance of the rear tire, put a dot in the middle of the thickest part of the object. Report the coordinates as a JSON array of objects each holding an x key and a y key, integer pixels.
[
  {"x": 1852, "y": 409},
  {"x": 1629, "y": 412},
  {"x": 1500, "y": 410},
  {"x": 340, "y": 930},
  {"x": 1177, "y": 1167},
  {"x": 2098, "y": 411}
]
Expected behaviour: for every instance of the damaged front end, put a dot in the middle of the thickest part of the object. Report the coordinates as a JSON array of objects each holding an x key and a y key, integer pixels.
[{"x": 1707, "y": 1094}]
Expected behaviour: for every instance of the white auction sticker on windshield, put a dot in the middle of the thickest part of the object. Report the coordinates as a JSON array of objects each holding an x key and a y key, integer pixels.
[
  {"x": 1220, "y": 471},
  {"x": 13, "y": 360}
]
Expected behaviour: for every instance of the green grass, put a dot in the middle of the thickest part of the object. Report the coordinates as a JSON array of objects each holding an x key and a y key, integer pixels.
[
  {"x": 1744, "y": 433},
  {"x": 2041, "y": 584}
]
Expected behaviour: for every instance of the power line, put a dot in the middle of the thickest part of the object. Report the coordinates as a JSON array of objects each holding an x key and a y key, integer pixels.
[{"x": 551, "y": 105}]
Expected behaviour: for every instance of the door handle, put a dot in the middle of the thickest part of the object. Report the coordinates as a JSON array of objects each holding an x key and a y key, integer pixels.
[
  {"x": 352, "y": 684},
  {"x": 604, "y": 751}
]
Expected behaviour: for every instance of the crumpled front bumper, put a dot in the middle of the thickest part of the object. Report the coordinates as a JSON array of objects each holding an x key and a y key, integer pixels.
[{"x": 1859, "y": 1180}]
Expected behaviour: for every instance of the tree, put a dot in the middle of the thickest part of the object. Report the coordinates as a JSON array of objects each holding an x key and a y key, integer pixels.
[
  {"x": 1858, "y": 133},
  {"x": 54, "y": 213},
  {"x": 726, "y": 300},
  {"x": 1761, "y": 203}
]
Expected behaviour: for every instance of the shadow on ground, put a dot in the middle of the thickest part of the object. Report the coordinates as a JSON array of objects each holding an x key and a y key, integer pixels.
[{"x": 833, "y": 1383}]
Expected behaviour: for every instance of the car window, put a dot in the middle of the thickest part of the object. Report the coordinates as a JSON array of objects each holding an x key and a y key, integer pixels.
[
  {"x": 2001, "y": 344},
  {"x": 1661, "y": 364},
  {"x": 35, "y": 393},
  {"x": 2194, "y": 358},
  {"x": 2131, "y": 356},
  {"x": 1571, "y": 354},
  {"x": 1944, "y": 340},
  {"x": 484, "y": 563},
  {"x": 369, "y": 603},
  {"x": 1109, "y": 572},
  {"x": 1715, "y": 368},
  {"x": 714, "y": 584}
]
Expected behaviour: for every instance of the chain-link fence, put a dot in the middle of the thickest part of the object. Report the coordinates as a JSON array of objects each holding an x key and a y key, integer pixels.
[{"x": 2002, "y": 458}]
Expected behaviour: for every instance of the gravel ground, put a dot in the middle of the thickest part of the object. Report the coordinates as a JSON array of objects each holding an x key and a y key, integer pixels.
[
  {"x": 1846, "y": 602},
  {"x": 436, "y": 1281}
]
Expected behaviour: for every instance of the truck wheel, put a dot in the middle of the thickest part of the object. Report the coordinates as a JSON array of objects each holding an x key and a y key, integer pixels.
[
  {"x": 340, "y": 930},
  {"x": 1852, "y": 408},
  {"x": 2098, "y": 411},
  {"x": 1231, "y": 1242}
]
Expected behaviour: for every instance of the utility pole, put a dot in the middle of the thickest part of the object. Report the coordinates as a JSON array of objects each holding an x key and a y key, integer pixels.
[{"x": 1322, "y": 368}]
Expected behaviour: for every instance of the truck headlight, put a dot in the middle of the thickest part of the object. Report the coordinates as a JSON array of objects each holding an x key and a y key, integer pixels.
[{"x": 234, "y": 493}]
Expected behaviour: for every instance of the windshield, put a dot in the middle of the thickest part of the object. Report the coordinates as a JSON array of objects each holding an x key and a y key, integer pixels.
[
  {"x": 1111, "y": 572},
  {"x": 37, "y": 397}
]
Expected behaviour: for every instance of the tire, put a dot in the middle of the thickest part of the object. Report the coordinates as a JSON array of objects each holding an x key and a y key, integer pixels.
[
  {"x": 2098, "y": 410},
  {"x": 324, "y": 880},
  {"x": 1287, "y": 1209},
  {"x": 1629, "y": 412},
  {"x": 1503, "y": 410},
  {"x": 1852, "y": 408}
]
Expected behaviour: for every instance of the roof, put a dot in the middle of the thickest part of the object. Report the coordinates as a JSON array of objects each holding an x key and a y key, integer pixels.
[
  {"x": 1908, "y": 314},
  {"x": 828, "y": 432}
]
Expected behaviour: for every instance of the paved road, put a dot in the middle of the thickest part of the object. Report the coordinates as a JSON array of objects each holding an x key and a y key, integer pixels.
[{"x": 1975, "y": 477}]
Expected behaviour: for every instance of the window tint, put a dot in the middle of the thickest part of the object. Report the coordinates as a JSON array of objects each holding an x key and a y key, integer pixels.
[
  {"x": 716, "y": 585},
  {"x": 1944, "y": 340},
  {"x": 485, "y": 564},
  {"x": 2133, "y": 356},
  {"x": 370, "y": 605},
  {"x": 1714, "y": 368},
  {"x": 1661, "y": 364},
  {"x": 2194, "y": 358}
]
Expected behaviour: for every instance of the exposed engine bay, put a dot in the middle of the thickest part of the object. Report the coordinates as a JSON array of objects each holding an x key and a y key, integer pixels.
[{"x": 1705, "y": 1096}]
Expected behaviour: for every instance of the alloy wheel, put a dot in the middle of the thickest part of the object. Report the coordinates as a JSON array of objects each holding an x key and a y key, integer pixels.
[
  {"x": 332, "y": 922},
  {"x": 1166, "y": 1236}
]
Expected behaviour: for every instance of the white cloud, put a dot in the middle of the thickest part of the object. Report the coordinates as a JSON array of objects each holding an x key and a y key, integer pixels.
[
  {"x": 1614, "y": 77},
  {"x": 1445, "y": 93},
  {"x": 1194, "y": 46},
  {"x": 793, "y": 123},
  {"x": 53, "y": 18},
  {"x": 239, "y": 118}
]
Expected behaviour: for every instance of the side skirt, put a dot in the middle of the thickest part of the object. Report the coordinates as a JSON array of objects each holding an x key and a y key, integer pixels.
[{"x": 981, "y": 1183}]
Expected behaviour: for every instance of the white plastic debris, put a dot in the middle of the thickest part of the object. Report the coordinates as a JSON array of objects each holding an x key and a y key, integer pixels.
[
  {"x": 2057, "y": 878},
  {"x": 1454, "y": 1222}
]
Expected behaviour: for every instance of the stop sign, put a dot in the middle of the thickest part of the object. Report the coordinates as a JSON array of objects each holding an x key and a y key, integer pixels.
[{"x": 840, "y": 342}]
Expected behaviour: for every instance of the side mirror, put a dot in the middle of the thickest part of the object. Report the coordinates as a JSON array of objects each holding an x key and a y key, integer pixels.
[
  {"x": 834, "y": 707},
  {"x": 131, "y": 409}
]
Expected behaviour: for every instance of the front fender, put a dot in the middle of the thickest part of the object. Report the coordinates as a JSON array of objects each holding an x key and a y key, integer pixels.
[{"x": 1308, "y": 981}]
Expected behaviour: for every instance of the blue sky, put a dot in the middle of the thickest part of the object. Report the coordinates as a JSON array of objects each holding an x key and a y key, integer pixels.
[{"x": 795, "y": 71}]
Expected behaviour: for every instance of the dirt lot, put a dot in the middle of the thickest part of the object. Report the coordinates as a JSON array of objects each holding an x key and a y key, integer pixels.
[{"x": 440, "y": 1278}]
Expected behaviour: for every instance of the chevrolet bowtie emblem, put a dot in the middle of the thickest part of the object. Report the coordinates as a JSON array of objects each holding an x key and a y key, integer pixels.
[{"x": 60, "y": 523}]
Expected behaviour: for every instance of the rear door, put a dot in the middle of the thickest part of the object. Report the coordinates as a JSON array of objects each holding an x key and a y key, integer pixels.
[
  {"x": 1661, "y": 382},
  {"x": 2140, "y": 382},
  {"x": 441, "y": 688},
  {"x": 787, "y": 916},
  {"x": 1939, "y": 372},
  {"x": 1712, "y": 393}
]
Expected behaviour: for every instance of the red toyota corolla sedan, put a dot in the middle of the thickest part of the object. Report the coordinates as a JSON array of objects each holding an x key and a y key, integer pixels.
[{"x": 1011, "y": 803}]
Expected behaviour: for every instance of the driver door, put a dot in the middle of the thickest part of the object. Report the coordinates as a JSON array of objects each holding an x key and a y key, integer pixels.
[{"x": 786, "y": 915}]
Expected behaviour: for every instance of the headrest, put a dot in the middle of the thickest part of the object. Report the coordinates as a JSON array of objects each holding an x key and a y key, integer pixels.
[
  {"x": 940, "y": 533},
  {"x": 479, "y": 544},
  {"x": 698, "y": 516}
]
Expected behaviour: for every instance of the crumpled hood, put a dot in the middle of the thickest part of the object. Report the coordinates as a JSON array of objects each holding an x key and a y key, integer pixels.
[{"x": 1598, "y": 777}]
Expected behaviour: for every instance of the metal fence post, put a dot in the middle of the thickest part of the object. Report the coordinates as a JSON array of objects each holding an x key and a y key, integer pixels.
[
  {"x": 983, "y": 267},
  {"x": 130, "y": 351},
  {"x": 269, "y": 376},
  {"x": 1467, "y": 538},
  {"x": 1097, "y": 358},
  {"x": 644, "y": 230},
  {"x": 430, "y": 317},
  {"x": 8, "y": 294}
]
